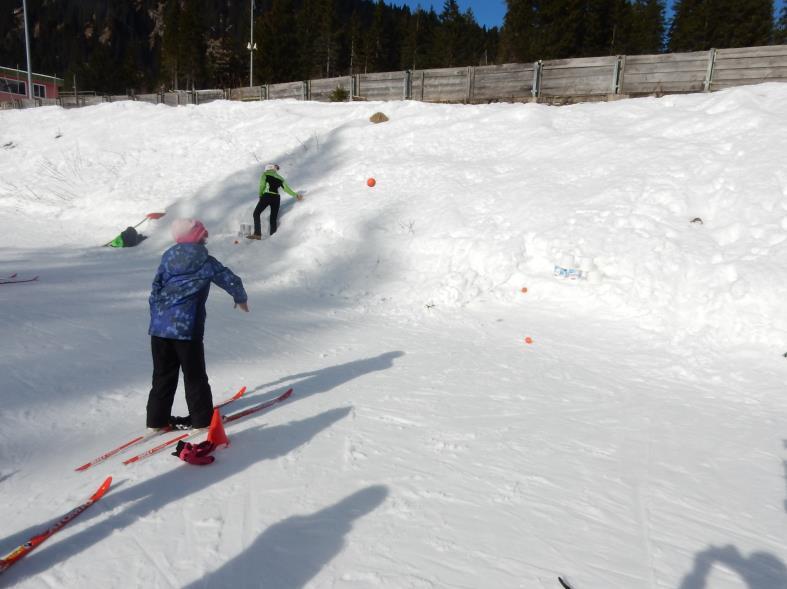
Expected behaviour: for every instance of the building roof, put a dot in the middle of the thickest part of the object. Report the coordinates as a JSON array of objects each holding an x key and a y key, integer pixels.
[{"x": 37, "y": 78}]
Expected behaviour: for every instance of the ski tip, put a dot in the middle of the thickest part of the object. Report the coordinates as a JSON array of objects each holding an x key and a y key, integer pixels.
[
  {"x": 287, "y": 393},
  {"x": 235, "y": 397},
  {"x": 564, "y": 583},
  {"x": 102, "y": 489},
  {"x": 83, "y": 467}
]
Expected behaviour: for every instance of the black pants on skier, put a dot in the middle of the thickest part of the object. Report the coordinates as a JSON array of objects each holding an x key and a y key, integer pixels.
[
  {"x": 170, "y": 356},
  {"x": 272, "y": 200}
]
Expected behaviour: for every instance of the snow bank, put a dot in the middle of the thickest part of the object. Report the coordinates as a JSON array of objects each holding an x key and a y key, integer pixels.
[{"x": 471, "y": 202}]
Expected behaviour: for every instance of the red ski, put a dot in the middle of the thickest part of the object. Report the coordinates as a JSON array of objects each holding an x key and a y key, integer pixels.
[
  {"x": 147, "y": 436},
  {"x": 160, "y": 447},
  {"x": 192, "y": 434},
  {"x": 260, "y": 407},
  {"x": 33, "y": 543},
  {"x": 12, "y": 280}
]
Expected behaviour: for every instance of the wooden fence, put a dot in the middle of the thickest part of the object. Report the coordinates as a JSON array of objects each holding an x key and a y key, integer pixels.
[
  {"x": 556, "y": 81},
  {"x": 553, "y": 81}
]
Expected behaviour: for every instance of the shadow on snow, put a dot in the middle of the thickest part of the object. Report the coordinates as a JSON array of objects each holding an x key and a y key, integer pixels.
[
  {"x": 292, "y": 551},
  {"x": 134, "y": 503},
  {"x": 760, "y": 571}
]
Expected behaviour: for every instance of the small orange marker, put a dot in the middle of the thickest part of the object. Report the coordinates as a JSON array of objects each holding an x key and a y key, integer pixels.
[
  {"x": 216, "y": 433},
  {"x": 371, "y": 182},
  {"x": 528, "y": 340},
  {"x": 524, "y": 289}
]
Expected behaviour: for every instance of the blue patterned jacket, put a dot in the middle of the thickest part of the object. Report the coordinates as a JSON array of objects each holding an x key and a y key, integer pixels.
[{"x": 181, "y": 287}]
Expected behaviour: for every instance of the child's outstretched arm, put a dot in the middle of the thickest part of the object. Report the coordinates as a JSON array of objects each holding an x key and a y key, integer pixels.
[{"x": 226, "y": 279}]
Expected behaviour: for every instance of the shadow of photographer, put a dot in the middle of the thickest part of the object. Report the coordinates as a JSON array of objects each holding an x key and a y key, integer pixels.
[{"x": 293, "y": 551}]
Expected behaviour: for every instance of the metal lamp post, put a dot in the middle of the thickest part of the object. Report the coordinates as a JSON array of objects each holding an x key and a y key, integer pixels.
[
  {"x": 251, "y": 47},
  {"x": 27, "y": 49}
]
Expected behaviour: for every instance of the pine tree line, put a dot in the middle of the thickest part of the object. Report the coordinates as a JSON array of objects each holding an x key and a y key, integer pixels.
[
  {"x": 146, "y": 45},
  {"x": 557, "y": 29}
]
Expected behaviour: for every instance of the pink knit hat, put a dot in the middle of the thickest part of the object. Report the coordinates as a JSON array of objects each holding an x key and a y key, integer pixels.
[{"x": 188, "y": 231}]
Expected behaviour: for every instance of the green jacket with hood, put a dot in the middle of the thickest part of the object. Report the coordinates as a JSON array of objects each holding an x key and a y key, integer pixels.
[{"x": 270, "y": 183}]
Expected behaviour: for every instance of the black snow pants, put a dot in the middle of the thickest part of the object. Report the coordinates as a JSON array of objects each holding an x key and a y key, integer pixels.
[
  {"x": 170, "y": 356},
  {"x": 274, "y": 200}
]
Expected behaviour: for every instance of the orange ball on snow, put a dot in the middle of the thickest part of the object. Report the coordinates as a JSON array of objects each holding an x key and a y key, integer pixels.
[{"x": 371, "y": 182}]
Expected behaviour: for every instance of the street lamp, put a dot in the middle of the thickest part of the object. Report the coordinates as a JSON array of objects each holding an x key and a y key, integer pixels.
[
  {"x": 27, "y": 49},
  {"x": 251, "y": 47}
]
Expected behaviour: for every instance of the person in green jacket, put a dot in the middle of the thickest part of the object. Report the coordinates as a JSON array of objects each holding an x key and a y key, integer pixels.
[{"x": 270, "y": 183}]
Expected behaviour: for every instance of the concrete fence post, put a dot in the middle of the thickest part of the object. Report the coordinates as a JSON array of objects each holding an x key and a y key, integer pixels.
[
  {"x": 709, "y": 71},
  {"x": 536, "y": 91},
  {"x": 470, "y": 84},
  {"x": 621, "y": 73},
  {"x": 615, "y": 76}
]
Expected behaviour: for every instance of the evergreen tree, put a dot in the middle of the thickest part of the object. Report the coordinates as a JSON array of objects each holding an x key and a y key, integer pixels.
[
  {"x": 306, "y": 27},
  {"x": 355, "y": 41},
  {"x": 225, "y": 46},
  {"x": 520, "y": 25},
  {"x": 325, "y": 39},
  {"x": 219, "y": 62},
  {"x": 451, "y": 33},
  {"x": 420, "y": 45},
  {"x": 170, "y": 44},
  {"x": 395, "y": 26},
  {"x": 780, "y": 35},
  {"x": 277, "y": 43},
  {"x": 12, "y": 48},
  {"x": 559, "y": 29},
  {"x": 701, "y": 24},
  {"x": 112, "y": 46},
  {"x": 751, "y": 26},
  {"x": 376, "y": 40},
  {"x": 647, "y": 27},
  {"x": 191, "y": 44},
  {"x": 491, "y": 46},
  {"x": 460, "y": 38}
]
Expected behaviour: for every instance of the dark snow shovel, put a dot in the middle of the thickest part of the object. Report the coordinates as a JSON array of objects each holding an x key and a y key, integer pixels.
[{"x": 148, "y": 216}]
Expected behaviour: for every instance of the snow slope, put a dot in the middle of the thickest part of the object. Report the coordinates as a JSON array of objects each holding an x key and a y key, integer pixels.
[{"x": 638, "y": 441}]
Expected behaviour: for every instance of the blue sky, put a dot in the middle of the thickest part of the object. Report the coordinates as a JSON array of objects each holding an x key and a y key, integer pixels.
[{"x": 490, "y": 13}]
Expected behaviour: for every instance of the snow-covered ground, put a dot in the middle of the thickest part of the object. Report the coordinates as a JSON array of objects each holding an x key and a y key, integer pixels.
[{"x": 638, "y": 441}]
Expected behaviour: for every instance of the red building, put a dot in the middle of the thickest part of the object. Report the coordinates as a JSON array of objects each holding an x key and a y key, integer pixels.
[{"x": 13, "y": 85}]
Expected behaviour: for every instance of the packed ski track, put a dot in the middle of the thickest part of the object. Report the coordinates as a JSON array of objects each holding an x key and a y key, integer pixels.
[{"x": 460, "y": 417}]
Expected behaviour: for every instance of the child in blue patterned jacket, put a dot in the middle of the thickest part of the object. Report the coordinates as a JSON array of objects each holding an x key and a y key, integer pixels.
[{"x": 177, "y": 323}]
